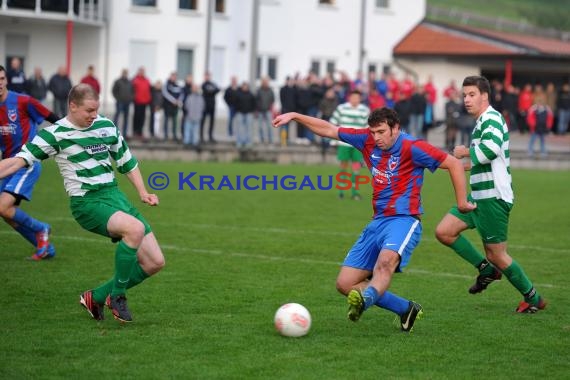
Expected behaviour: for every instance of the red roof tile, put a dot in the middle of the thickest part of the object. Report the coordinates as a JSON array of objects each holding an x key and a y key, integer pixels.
[
  {"x": 541, "y": 44},
  {"x": 439, "y": 39}
]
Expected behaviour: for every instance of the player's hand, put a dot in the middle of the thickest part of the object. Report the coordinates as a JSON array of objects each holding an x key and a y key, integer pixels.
[
  {"x": 466, "y": 206},
  {"x": 283, "y": 119},
  {"x": 460, "y": 151},
  {"x": 150, "y": 199}
]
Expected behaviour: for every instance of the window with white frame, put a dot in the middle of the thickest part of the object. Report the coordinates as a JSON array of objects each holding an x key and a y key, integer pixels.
[
  {"x": 185, "y": 62},
  {"x": 316, "y": 67},
  {"x": 220, "y": 6},
  {"x": 191, "y": 5},
  {"x": 144, "y": 3},
  {"x": 383, "y": 4},
  {"x": 267, "y": 66},
  {"x": 331, "y": 67},
  {"x": 323, "y": 66},
  {"x": 272, "y": 67}
]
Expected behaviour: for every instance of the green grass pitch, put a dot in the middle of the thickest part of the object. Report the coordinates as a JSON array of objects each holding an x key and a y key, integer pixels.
[{"x": 234, "y": 256}]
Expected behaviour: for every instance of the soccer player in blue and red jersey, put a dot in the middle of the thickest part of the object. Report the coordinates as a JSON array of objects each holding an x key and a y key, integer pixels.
[
  {"x": 397, "y": 162},
  {"x": 20, "y": 116}
]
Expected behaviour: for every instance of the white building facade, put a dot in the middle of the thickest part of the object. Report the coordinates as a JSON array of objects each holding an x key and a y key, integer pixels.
[{"x": 243, "y": 38}]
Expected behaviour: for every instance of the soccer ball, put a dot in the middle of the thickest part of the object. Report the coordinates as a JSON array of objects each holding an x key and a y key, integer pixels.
[{"x": 292, "y": 320}]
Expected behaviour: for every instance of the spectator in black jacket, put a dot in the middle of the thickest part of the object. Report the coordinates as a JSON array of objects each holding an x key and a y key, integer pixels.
[
  {"x": 123, "y": 93},
  {"x": 304, "y": 100},
  {"x": 172, "y": 101},
  {"x": 288, "y": 104},
  {"x": 510, "y": 107},
  {"x": 36, "y": 85},
  {"x": 418, "y": 104},
  {"x": 229, "y": 98},
  {"x": 186, "y": 91},
  {"x": 60, "y": 85},
  {"x": 245, "y": 107},
  {"x": 16, "y": 77},
  {"x": 209, "y": 91},
  {"x": 563, "y": 106}
]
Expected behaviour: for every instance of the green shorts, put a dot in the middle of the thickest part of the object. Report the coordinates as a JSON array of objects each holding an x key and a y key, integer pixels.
[
  {"x": 93, "y": 210},
  {"x": 490, "y": 218},
  {"x": 348, "y": 153}
]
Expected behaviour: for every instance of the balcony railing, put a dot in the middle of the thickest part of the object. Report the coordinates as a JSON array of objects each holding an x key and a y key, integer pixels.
[{"x": 77, "y": 10}]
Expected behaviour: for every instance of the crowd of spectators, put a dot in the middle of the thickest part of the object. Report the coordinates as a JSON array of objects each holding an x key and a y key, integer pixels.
[{"x": 185, "y": 111}]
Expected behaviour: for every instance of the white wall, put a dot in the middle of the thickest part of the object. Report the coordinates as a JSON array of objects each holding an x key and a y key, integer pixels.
[
  {"x": 294, "y": 31},
  {"x": 166, "y": 26},
  {"x": 385, "y": 28},
  {"x": 298, "y": 31},
  {"x": 46, "y": 45},
  {"x": 232, "y": 31}
]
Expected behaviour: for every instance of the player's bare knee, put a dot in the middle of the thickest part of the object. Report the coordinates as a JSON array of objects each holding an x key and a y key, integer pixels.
[
  {"x": 5, "y": 213},
  {"x": 134, "y": 234},
  {"x": 443, "y": 236},
  {"x": 343, "y": 286}
]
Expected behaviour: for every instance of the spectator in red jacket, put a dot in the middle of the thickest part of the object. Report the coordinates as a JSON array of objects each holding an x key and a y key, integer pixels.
[
  {"x": 142, "y": 99},
  {"x": 525, "y": 102},
  {"x": 540, "y": 119},
  {"x": 450, "y": 90},
  {"x": 90, "y": 79}
]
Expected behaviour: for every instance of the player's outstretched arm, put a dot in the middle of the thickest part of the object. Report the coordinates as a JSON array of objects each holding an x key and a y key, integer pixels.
[
  {"x": 11, "y": 165},
  {"x": 136, "y": 180},
  {"x": 318, "y": 126},
  {"x": 457, "y": 174}
]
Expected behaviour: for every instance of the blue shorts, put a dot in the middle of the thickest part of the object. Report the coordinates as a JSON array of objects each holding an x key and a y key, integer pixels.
[
  {"x": 400, "y": 233},
  {"x": 21, "y": 184}
]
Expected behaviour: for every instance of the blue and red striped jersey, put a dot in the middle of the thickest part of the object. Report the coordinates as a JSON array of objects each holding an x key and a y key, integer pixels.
[
  {"x": 397, "y": 173},
  {"x": 20, "y": 116}
]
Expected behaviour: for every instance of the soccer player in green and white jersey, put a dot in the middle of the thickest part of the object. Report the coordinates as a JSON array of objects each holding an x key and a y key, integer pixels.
[
  {"x": 83, "y": 144},
  {"x": 351, "y": 114},
  {"x": 492, "y": 191}
]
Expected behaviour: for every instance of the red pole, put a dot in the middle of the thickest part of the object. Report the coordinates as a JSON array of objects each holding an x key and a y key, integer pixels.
[
  {"x": 69, "y": 47},
  {"x": 508, "y": 72}
]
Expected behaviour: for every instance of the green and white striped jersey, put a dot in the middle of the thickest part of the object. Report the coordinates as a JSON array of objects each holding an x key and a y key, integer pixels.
[
  {"x": 83, "y": 155},
  {"x": 490, "y": 158},
  {"x": 345, "y": 115}
]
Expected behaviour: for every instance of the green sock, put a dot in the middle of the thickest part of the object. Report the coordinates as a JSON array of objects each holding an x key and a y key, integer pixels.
[
  {"x": 125, "y": 259},
  {"x": 521, "y": 282},
  {"x": 486, "y": 268},
  {"x": 343, "y": 175},
  {"x": 137, "y": 276},
  {"x": 468, "y": 252},
  {"x": 353, "y": 188}
]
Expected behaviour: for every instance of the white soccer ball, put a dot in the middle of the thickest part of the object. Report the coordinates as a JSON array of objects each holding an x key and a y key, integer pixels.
[{"x": 293, "y": 320}]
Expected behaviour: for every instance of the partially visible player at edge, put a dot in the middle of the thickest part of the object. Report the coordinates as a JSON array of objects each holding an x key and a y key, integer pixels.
[
  {"x": 397, "y": 162},
  {"x": 20, "y": 117},
  {"x": 491, "y": 188},
  {"x": 83, "y": 144}
]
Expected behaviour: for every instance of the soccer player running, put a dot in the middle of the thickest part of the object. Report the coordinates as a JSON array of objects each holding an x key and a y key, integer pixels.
[
  {"x": 397, "y": 162},
  {"x": 350, "y": 114},
  {"x": 492, "y": 191},
  {"x": 20, "y": 117},
  {"x": 83, "y": 144}
]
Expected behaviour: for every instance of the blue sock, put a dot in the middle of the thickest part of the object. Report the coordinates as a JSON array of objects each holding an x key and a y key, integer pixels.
[
  {"x": 392, "y": 302},
  {"x": 24, "y": 219},
  {"x": 370, "y": 296},
  {"x": 27, "y": 233}
]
